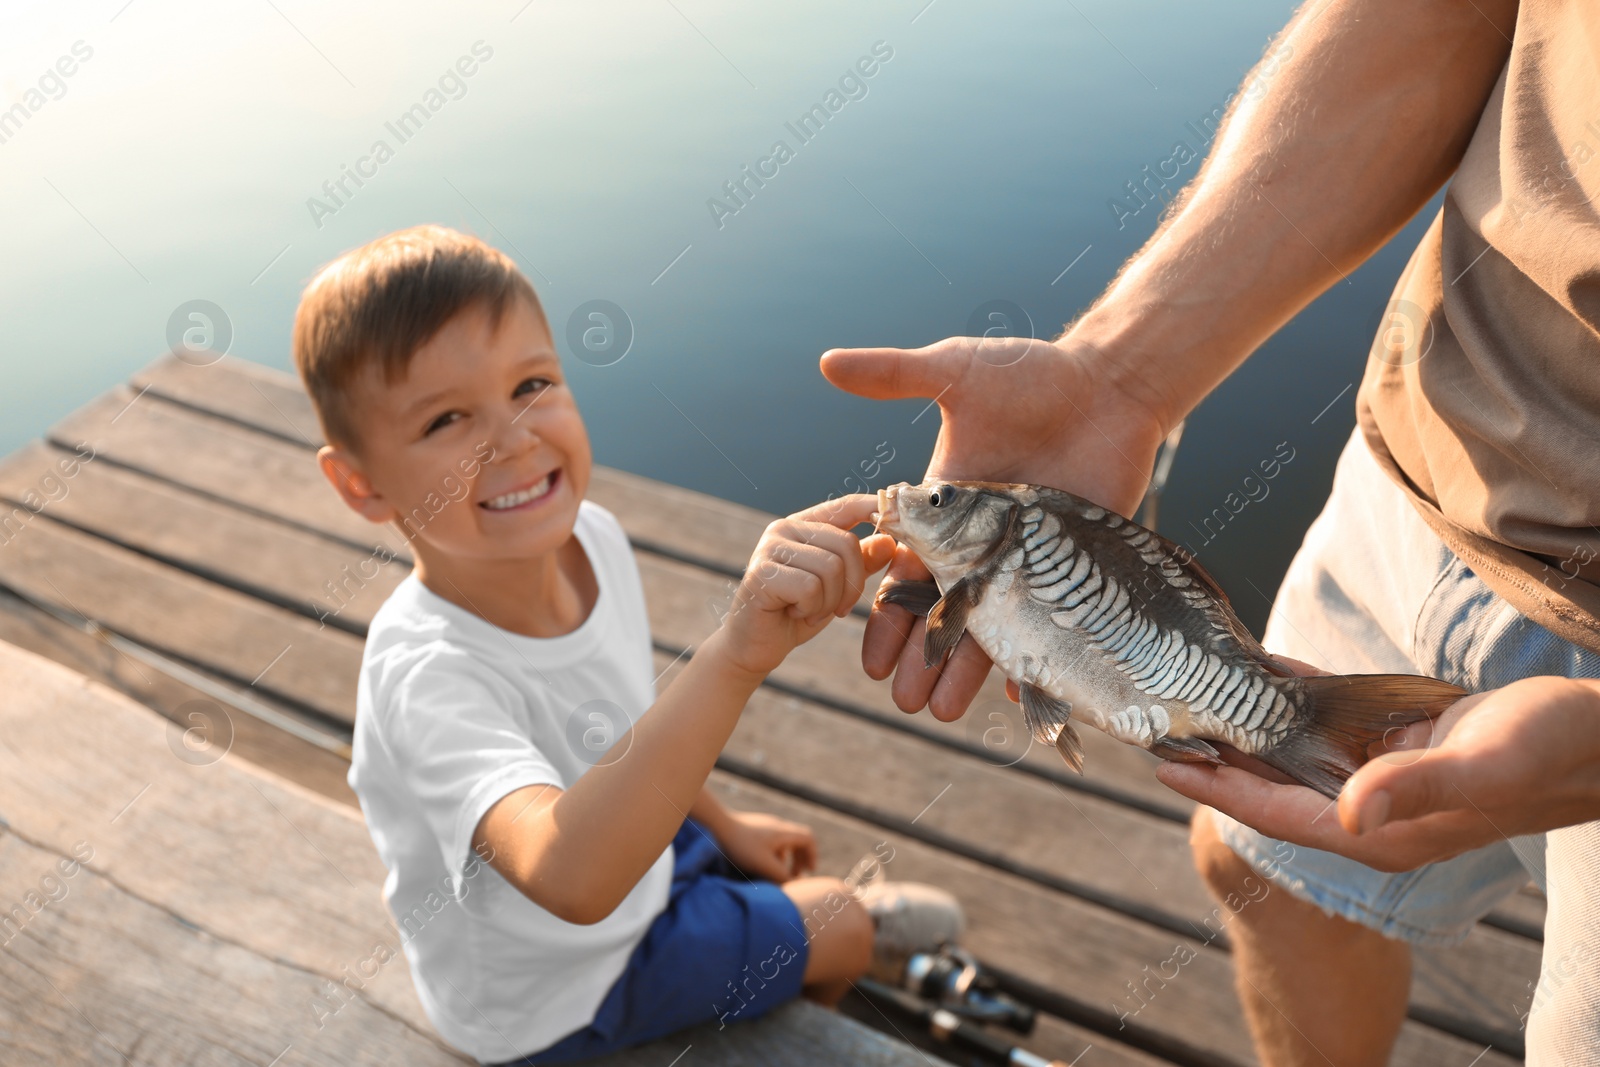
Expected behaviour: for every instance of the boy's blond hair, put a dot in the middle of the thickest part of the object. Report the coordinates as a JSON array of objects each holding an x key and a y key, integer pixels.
[{"x": 374, "y": 306}]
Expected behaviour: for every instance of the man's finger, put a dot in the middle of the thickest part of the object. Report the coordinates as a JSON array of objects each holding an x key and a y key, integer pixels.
[
  {"x": 884, "y": 639},
  {"x": 913, "y": 679},
  {"x": 960, "y": 681},
  {"x": 1402, "y": 785},
  {"x": 1291, "y": 812},
  {"x": 895, "y": 373},
  {"x": 890, "y": 625}
]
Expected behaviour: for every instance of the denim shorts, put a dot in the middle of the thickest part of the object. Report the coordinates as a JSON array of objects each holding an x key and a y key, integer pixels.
[
  {"x": 1374, "y": 590},
  {"x": 727, "y": 948}
]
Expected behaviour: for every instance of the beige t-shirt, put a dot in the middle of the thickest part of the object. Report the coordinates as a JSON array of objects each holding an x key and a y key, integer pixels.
[{"x": 1481, "y": 396}]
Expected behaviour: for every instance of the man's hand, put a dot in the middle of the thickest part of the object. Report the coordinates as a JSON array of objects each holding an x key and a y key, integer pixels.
[
  {"x": 1014, "y": 410},
  {"x": 765, "y": 846},
  {"x": 807, "y": 569},
  {"x": 1517, "y": 760},
  {"x": 1320, "y": 160}
]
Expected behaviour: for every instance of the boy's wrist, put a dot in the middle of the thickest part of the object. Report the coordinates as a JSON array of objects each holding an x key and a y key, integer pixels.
[{"x": 716, "y": 653}]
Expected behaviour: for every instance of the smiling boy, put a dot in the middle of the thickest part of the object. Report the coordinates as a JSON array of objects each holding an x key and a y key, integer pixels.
[{"x": 565, "y": 883}]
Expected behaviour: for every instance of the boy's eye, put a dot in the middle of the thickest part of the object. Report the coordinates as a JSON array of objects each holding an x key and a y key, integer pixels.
[
  {"x": 531, "y": 385},
  {"x": 441, "y": 422}
]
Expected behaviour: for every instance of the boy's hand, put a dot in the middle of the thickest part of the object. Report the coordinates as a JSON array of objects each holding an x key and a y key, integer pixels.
[
  {"x": 807, "y": 569},
  {"x": 765, "y": 846}
]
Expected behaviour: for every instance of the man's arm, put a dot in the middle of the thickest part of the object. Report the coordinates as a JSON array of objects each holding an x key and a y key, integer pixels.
[{"x": 1352, "y": 133}]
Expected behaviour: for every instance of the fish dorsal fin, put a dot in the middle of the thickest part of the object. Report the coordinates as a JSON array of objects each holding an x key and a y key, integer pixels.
[
  {"x": 1192, "y": 568},
  {"x": 1184, "y": 584}
]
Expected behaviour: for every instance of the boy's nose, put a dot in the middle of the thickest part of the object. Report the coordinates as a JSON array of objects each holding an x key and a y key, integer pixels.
[{"x": 515, "y": 436}]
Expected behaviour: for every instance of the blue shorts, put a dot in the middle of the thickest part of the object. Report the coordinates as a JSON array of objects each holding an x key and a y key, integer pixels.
[
  {"x": 1374, "y": 590},
  {"x": 726, "y": 948}
]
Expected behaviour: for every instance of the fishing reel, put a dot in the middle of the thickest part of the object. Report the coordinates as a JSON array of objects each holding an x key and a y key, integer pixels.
[{"x": 952, "y": 978}]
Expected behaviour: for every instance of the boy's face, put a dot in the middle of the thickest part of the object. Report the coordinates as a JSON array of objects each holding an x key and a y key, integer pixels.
[{"x": 479, "y": 451}]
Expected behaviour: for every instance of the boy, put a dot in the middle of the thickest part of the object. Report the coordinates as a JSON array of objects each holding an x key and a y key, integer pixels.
[{"x": 562, "y": 891}]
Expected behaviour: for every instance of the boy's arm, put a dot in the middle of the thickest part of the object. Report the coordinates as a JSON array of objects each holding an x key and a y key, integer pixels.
[
  {"x": 760, "y": 845},
  {"x": 711, "y": 813},
  {"x": 577, "y": 853}
]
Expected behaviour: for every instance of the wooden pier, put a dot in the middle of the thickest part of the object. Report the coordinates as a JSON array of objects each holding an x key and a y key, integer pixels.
[{"x": 228, "y": 895}]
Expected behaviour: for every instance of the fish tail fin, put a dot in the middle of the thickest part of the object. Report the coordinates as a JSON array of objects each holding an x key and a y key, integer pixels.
[{"x": 1344, "y": 714}]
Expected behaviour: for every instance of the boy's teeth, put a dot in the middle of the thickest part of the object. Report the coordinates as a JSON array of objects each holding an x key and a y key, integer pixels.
[{"x": 511, "y": 500}]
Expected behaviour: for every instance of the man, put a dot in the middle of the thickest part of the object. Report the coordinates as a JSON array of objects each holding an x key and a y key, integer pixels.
[{"x": 1461, "y": 537}]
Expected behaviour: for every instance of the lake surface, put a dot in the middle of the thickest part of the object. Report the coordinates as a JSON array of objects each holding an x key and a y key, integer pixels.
[{"x": 203, "y": 153}]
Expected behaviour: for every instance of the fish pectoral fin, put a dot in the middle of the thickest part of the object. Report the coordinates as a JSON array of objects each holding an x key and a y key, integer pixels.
[
  {"x": 1049, "y": 720},
  {"x": 1186, "y": 750},
  {"x": 947, "y": 621},
  {"x": 916, "y": 597}
]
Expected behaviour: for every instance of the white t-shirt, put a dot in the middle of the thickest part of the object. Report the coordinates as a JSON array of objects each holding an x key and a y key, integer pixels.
[{"x": 453, "y": 713}]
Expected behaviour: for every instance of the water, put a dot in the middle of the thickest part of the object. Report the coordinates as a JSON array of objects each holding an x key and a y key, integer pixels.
[{"x": 177, "y": 163}]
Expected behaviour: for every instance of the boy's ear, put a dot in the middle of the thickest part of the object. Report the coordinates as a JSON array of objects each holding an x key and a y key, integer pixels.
[{"x": 357, "y": 491}]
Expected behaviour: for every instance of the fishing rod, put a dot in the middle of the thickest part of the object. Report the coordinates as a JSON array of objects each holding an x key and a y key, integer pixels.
[
  {"x": 1158, "y": 478},
  {"x": 947, "y": 1025},
  {"x": 237, "y": 699}
]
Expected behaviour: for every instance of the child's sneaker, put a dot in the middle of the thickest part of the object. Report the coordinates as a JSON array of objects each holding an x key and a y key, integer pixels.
[{"x": 910, "y": 917}]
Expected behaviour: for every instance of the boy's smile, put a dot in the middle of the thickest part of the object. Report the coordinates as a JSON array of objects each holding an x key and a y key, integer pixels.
[{"x": 519, "y": 499}]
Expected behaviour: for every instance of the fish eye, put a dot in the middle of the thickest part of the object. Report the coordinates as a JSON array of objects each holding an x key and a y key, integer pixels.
[{"x": 939, "y": 496}]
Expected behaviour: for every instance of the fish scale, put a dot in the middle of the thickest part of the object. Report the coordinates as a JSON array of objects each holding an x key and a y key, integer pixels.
[
  {"x": 1100, "y": 619},
  {"x": 1050, "y": 556}
]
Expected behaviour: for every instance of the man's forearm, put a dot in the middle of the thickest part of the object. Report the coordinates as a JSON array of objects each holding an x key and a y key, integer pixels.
[{"x": 1355, "y": 130}]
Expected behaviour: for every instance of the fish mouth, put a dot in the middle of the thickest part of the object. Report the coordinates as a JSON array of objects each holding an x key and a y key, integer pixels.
[{"x": 888, "y": 516}]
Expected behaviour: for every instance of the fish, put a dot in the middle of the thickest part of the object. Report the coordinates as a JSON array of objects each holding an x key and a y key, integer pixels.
[{"x": 1100, "y": 620}]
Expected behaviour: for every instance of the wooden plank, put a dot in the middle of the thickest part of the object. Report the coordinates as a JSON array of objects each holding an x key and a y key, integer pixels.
[
  {"x": 229, "y": 633},
  {"x": 1523, "y": 913},
  {"x": 220, "y": 459},
  {"x": 104, "y": 976},
  {"x": 1114, "y": 856},
  {"x": 159, "y": 950},
  {"x": 253, "y": 740},
  {"x": 283, "y": 564},
  {"x": 1080, "y": 953},
  {"x": 156, "y": 518},
  {"x": 178, "y": 838},
  {"x": 799, "y": 1034},
  {"x": 248, "y": 393}
]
